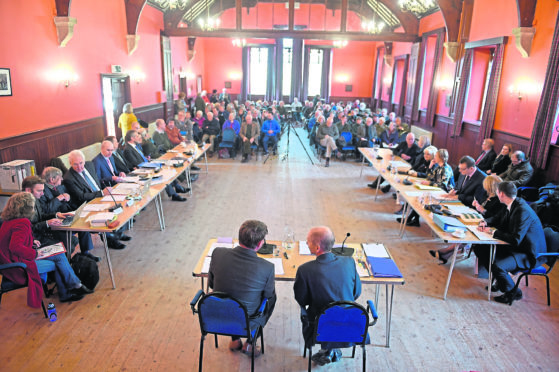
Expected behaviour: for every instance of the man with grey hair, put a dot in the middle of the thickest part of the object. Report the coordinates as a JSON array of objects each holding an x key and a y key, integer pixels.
[
  {"x": 55, "y": 196},
  {"x": 81, "y": 179},
  {"x": 327, "y": 134},
  {"x": 520, "y": 170},
  {"x": 246, "y": 277},
  {"x": 327, "y": 279}
]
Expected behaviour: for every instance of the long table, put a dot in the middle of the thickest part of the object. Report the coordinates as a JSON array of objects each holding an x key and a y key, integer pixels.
[
  {"x": 132, "y": 207},
  {"x": 291, "y": 260},
  {"x": 412, "y": 201}
]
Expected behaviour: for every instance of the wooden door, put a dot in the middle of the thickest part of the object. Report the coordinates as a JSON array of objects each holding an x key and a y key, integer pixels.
[{"x": 410, "y": 89}]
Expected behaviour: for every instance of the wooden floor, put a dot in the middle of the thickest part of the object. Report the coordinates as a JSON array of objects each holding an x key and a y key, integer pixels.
[{"x": 145, "y": 324}]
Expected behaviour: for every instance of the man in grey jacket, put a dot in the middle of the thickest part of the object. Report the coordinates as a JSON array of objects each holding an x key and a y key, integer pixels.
[
  {"x": 327, "y": 134},
  {"x": 520, "y": 170}
]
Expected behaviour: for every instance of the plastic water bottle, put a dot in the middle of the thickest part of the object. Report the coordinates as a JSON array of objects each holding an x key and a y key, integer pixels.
[
  {"x": 51, "y": 312},
  {"x": 289, "y": 237}
]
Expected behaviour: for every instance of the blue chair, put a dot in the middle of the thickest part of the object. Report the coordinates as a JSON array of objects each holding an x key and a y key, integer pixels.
[
  {"x": 552, "y": 243},
  {"x": 348, "y": 139},
  {"x": 342, "y": 321},
  {"x": 8, "y": 286},
  {"x": 533, "y": 194},
  {"x": 228, "y": 140},
  {"x": 221, "y": 314}
]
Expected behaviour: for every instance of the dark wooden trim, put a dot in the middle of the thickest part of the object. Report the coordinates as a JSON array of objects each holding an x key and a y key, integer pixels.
[
  {"x": 343, "y": 25},
  {"x": 299, "y": 34},
  {"x": 409, "y": 23},
  {"x": 486, "y": 42},
  {"x": 433, "y": 32},
  {"x": 62, "y": 8},
  {"x": 335, "y": 99},
  {"x": 133, "y": 12},
  {"x": 526, "y": 10},
  {"x": 238, "y": 14},
  {"x": 451, "y": 11},
  {"x": 291, "y": 15},
  {"x": 150, "y": 113}
]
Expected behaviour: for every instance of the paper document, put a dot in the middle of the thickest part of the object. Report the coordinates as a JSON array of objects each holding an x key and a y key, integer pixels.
[
  {"x": 278, "y": 265},
  {"x": 459, "y": 209},
  {"x": 219, "y": 245},
  {"x": 107, "y": 216},
  {"x": 50, "y": 250},
  {"x": 118, "y": 198},
  {"x": 427, "y": 187},
  {"x": 399, "y": 164},
  {"x": 417, "y": 194},
  {"x": 126, "y": 188},
  {"x": 206, "y": 265},
  {"x": 362, "y": 269},
  {"x": 96, "y": 207},
  {"x": 225, "y": 240},
  {"x": 375, "y": 250},
  {"x": 304, "y": 248},
  {"x": 480, "y": 234},
  {"x": 130, "y": 179}
]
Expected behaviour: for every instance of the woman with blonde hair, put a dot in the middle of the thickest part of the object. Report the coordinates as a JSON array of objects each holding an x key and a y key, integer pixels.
[
  {"x": 502, "y": 161},
  {"x": 126, "y": 118}
]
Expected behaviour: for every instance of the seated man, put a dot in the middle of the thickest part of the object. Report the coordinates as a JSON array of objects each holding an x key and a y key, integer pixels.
[
  {"x": 41, "y": 222},
  {"x": 487, "y": 157},
  {"x": 470, "y": 183},
  {"x": 185, "y": 125},
  {"x": 407, "y": 150},
  {"x": 296, "y": 109},
  {"x": 105, "y": 166},
  {"x": 210, "y": 130},
  {"x": 327, "y": 279},
  {"x": 173, "y": 133},
  {"x": 55, "y": 196},
  {"x": 390, "y": 136},
  {"x": 240, "y": 273},
  {"x": 522, "y": 229},
  {"x": 197, "y": 125},
  {"x": 148, "y": 146},
  {"x": 326, "y": 135},
  {"x": 249, "y": 134},
  {"x": 134, "y": 155},
  {"x": 520, "y": 170},
  {"x": 122, "y": 165},
  {"x": 270, "y": 131},
  {"x": 160, "y": 138}
]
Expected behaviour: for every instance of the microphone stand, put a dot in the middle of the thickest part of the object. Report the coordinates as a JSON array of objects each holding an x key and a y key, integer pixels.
[
  {"x": 341, "y": 251},
  {"x": 117, "y": 207}
]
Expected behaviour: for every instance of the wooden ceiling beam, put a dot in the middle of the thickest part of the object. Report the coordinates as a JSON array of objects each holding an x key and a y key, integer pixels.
[
  {"x": 63, "y": 8},
  {"x": 407, "y": 19},
  {"x": 452, "y": 12},
  {"x": 526, "y": 11},
  {"x": 301, "y": 34},
  {"x": 133, "y": 11},
  {"x": 524, "y": 33}
]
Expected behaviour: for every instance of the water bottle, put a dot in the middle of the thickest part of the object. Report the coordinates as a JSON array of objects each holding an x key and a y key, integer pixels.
[
  {"x": 288, "y": 241},
  {"x": 51, "y": 312}
]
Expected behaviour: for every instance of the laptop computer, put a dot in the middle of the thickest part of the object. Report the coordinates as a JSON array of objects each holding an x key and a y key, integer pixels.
[{"x": 68, "y": 221}]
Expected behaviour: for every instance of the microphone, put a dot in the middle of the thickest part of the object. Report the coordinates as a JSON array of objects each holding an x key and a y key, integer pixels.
[
  {"x": 117, "y": 207},
  {"x": 341, "y": 251}
]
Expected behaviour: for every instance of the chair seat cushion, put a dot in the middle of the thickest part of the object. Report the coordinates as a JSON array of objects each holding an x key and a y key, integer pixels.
[{"x": 538, "y": 270}]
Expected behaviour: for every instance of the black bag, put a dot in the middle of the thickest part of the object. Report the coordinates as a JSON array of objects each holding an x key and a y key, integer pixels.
[{"x": 86, "y": 270}]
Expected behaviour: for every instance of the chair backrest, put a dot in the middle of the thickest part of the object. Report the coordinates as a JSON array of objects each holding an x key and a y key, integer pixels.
[
  {"x": 221, "y": 314},
  {"x": 552, "y": 243},
  {"x": 228, "y": 135},
  {"x": 342, "y": 321},
  {"x": 347, "y": 136}
]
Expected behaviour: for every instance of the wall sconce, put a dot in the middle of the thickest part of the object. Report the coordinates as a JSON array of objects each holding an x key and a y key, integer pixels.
[
  {"x": 445, "y": 84},
  {"x": 387, "y": 81},
  {"x": 235, "y": 75},
  {"x": 340, "y": 43},
  {"x": 342, "y": 78},
  {"x": 239, "y": 42},
  {"x": 522, "y": 88},
  {"x": 65, "y": 76},
  {"x": 186, "y": 74},
  {"x": 137, "y": 75}
]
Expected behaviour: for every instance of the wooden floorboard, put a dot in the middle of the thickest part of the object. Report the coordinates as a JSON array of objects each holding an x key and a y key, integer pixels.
[{"x": 146, "y": 324}]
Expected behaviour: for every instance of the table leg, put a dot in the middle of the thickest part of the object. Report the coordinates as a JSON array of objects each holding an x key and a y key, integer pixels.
[
  {"x": 206, "y": 160},
  {"x": 389, "y": 313},
  {"x": 69, "y": 245},
  {"x": 362, "y": 165},
  {"x": 108, "y": 258},
  {"x": 450, "y": 271},
  {"x": 202, "y": 282},
  {"x": 377, "y": 289},
  {"x": 159, "y": 208},
  {"x": 188, "y": 180},
  {"x": 492, "y": 249},
  {"x": 378, "y": 186},
  {"x": 404, "y": 218}
]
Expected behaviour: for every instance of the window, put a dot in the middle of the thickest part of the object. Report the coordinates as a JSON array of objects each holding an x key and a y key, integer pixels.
[
  {"x": 486, "y": 87},
  {"x": 478, "y": 83},
  {"x": 287, "y": 65},
  {"x": 258, "y": 70},
  {"x": 315, "y": 71}
]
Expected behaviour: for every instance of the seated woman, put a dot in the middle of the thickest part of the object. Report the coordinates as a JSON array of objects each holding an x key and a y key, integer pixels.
[
  {"x": 502, "y": 161},
  {"x": 488, "y": 208},
  {"x": 439, "y": 175},
  {"x": 16, "y": 245}
]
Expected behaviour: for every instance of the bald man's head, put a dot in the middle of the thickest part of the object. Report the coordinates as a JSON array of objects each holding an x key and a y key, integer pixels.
[{"x": 320, "y": 240}]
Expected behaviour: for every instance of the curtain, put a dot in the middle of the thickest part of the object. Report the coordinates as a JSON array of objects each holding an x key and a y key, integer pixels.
[
  {"x": 278, "y": 95},
  {"x": 297, "y": 88},
  {"x": 462, "y": 91},
  {"x": 545, "y": 117},
  {"x": 433, "y": 90},
  {"x": 488, "y": 116},
  {"x": 245, "y": 82},
  {"x": 325, "y": 86}
]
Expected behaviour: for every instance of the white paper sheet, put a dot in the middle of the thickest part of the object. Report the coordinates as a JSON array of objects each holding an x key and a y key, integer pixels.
[
  {"x": 278, "y": 265},
  {"x": 218, "y": 245},
  {"x": 375, "y": 250},
  {"x": 304, "y": 248},
  {"x": 96, "y": 207},
  {"x": 206, "y": 265},
  {"x": 101, "y": 216},
  {"x": 118, "y": 198},
  {"x": 480, "y": 234}
]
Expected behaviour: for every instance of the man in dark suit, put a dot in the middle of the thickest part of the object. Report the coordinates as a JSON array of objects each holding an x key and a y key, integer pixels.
[
  {"x": 105, "y": 166},
  {"x": 327, "y": 279},
  {"x": 521, "y": 228},
  {"x": 134, "y": 156},
  {"x": 485, "y": 160},
  {"x": 246, "y": 277},
  {"x": 83, "y": 185},
  {"x": 470, "y": 182},
  {"x": 118, "y": 156}
]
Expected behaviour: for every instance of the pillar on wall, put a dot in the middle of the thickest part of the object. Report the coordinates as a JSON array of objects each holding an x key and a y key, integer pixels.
[
  {"x": 388, "y": 56},
  {"x": 132, "y": 43},
  {"x": 64, "y": 29},
  {"x": 190, "y": 52},
  {"x": 523, "y": 37}
]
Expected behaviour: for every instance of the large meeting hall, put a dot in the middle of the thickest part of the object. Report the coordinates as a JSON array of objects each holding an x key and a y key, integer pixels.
[{"x": 463, "y": 78}]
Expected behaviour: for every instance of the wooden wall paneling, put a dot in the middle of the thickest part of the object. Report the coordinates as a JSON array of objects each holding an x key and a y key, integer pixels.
[
  {"x": 150, "y": 113},
  {"x": 336, "y": 99},
  {"x": 410, "y": 83}
]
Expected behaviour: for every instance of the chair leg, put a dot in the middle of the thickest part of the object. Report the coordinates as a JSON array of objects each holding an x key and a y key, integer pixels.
[
  {"x": 216, "y": 346},
  {"x": 526, "y": 280},
  {"x": 252, "y": 357},
  {"x": 262, "y": 339},
  {"x": 364, "y": 358},
  {"x": 304, "y": 351},
  {"x": 310, "y": 355},
  {"x": 46, "y": 316},
  {"x": 548, "y": 295},
  {"x": 201, "y": 353}
]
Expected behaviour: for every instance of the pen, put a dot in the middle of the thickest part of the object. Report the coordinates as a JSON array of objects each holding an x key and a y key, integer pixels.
[{"x": 285, "y": 255}]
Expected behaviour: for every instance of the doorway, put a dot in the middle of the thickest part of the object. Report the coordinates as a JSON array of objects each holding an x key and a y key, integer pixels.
[{"x": 115, "y": 89}]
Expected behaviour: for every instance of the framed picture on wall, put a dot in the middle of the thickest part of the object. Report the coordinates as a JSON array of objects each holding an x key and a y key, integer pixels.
[{"x": 5, "y": 82}]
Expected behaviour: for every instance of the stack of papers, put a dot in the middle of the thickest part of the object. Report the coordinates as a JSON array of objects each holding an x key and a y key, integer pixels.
[
  {"x": 278, "y": 265},
  {"x": 219, "y": 245},
  {"x": 375, "y": 250},
  {"x": 96, "y": 207},
  {"x": 109, "y": 198},
  {"x": 304, "y": 248}
]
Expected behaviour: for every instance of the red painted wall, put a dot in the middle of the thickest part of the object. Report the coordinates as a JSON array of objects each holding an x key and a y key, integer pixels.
[
  {"x": 355, "y": 63},
  {"x": 431, "y": 22},
  {"x": 41, "y": 101},
  {"x": 223, "y": 62}
]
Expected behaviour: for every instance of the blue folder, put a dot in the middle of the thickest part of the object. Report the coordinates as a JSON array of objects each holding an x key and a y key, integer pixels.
[
  {"x": 384, "y": 267},
  {"x": 149, "y": 165}
]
